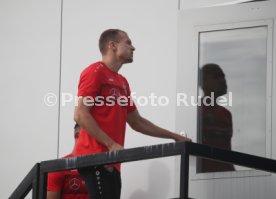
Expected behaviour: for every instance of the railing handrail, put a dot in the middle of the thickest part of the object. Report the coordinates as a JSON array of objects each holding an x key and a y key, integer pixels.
[{"x": 141, "y": 153}]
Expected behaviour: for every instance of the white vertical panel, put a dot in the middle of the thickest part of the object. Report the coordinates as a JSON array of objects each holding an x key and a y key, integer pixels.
[
  {"x": 241, "y": 184},
  {"x": 29, "y": 68},
  {"x": 189, "y": 4}
]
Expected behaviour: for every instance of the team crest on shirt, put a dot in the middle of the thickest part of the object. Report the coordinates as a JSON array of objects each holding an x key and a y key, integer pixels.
[
  {"x": 74, "y": 184},
  {"x": 114, "y": 92}
]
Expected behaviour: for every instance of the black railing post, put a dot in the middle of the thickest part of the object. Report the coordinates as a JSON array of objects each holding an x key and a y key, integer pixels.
[
  {"x": 43, "y": 178},
  {"x": 36, "y": 179},
  {"x": 35, "y": 183},
  {"x": 184, "y": 172},
  {"x": 27, "y": 184}
]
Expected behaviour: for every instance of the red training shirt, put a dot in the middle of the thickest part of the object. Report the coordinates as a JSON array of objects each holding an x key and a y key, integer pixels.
[
  {"x": 69, "y": 183},
  {"x": 111, "y": 93}
]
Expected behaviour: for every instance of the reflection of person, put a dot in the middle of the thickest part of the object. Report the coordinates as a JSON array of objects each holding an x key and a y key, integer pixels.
[
  {"x": 103, "y": 122},
  {"x": 67, "y": 184},
  {"x": 215, "y": 121}
]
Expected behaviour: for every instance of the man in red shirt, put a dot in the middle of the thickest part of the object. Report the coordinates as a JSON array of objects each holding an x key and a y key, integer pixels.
[
  {"x": 104, "y": 108},
  {"x": 67, "y": 184}
]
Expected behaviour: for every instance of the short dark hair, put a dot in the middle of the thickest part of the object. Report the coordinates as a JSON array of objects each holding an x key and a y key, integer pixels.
[
  {"x": 109, "y": 35},
  {"x": 207, "y": 69}
]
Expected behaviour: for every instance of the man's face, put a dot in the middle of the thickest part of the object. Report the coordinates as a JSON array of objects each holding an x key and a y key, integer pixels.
[{"x": 124, "y": 50}]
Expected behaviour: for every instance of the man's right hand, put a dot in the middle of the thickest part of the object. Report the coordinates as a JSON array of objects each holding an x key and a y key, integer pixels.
[{"x": 115, "y": 146}]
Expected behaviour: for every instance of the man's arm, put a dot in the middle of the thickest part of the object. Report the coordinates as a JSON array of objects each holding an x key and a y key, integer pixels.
[
  {"x": 83, "y": 117},
  {"x": 142, "y": 125},
  {"x": 53, "y": 195}
]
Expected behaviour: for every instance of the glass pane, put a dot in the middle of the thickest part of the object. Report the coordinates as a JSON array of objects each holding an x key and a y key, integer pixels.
[{"x": 232, "y": 72}]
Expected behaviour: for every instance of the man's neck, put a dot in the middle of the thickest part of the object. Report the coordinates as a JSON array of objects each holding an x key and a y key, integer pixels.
[{"x": 112, "y": 64}]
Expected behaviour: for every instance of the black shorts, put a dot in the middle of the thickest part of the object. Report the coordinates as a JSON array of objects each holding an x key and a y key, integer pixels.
[{"x": 101, "y": 183}]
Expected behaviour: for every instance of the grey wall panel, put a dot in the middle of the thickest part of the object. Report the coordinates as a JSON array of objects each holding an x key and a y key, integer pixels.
[{"x": 29, "y": 69}]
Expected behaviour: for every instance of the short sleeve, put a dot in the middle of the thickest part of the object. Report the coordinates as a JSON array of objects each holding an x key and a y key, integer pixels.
[
  {"x": 55, "y": 181},
  {"x": 90, "y": 82}
]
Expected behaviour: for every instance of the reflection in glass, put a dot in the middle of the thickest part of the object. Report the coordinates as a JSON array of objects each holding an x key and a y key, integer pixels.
[
  {"x": 239, "y": 56},
  {"x": 215, "y": 121}
]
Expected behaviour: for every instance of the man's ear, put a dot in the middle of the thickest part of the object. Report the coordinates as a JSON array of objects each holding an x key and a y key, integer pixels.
[{"x": 112, "y": 45}]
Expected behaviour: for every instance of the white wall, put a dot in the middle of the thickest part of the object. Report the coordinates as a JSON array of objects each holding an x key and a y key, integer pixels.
[
  {"x": 188, "y": 4},
  {"x": 29, "y": 68}
]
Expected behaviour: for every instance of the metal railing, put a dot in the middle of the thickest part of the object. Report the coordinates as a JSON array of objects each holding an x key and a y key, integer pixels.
[{"x": 36, "y": 179}]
